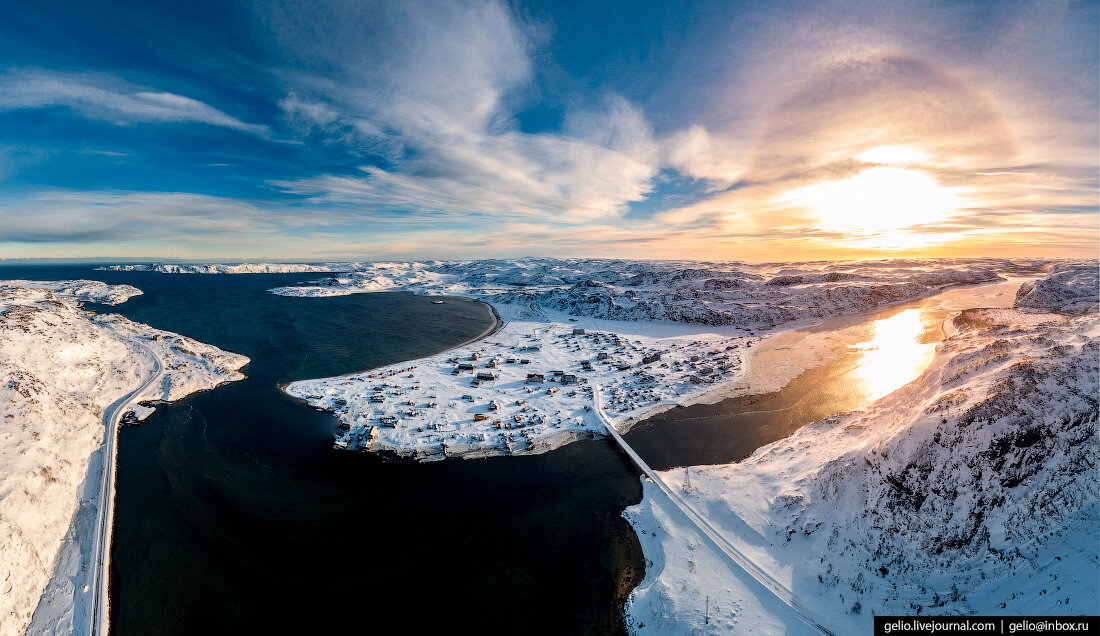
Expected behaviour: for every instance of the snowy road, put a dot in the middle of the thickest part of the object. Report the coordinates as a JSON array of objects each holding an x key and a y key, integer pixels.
[
  {"x": 716, "y": 538},
  {"x": 100, "y": 608}
]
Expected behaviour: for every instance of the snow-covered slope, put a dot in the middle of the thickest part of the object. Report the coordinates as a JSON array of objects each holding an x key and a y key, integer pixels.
[
  {"x": 972, "y": 490},
  {"x": 59, "y": 368},
  {"x": 241, "y": 268},
  {"x": 1069, "y": 288}
]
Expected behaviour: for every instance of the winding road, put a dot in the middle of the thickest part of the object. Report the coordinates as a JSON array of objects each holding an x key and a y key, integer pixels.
[
  {"x": 112, "y": 416},
  {"x": 717, "y": 540}
]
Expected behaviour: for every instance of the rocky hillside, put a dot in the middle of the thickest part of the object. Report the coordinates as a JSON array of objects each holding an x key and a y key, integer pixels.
[{"x": 972, "y": 490}]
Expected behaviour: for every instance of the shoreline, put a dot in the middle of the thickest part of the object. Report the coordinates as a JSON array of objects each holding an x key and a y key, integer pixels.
[{"x": 498, "y": 324}]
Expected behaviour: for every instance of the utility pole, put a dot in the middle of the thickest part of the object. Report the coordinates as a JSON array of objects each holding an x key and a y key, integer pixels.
[{"x": 706, "y": 613}]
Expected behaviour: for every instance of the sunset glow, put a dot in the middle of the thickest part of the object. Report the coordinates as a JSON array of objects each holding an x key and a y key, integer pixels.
[{"x": 734, "y": 131}]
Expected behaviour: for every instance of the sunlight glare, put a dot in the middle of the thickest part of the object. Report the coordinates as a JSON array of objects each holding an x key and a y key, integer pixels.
[
  {"x": 877, "y": 199},
  {"x": 894, "y": 356}
]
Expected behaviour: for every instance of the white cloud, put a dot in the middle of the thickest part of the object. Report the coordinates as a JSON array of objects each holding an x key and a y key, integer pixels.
[
  {"x": 430, "y": 87},
  {"x": 106, "y": 98},
  {"x": 509, "y": 174},
  {"x": 698, "y": 153}
]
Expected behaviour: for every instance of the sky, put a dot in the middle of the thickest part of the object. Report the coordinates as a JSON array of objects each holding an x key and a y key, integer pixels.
[{"x": 364, "y": 130}]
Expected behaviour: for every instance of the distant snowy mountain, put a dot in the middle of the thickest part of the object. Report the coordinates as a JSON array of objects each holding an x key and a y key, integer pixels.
[{"x": 242, "y": 268}]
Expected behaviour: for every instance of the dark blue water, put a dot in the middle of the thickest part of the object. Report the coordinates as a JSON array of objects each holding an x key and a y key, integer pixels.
[{"x": 234, "y": 514}]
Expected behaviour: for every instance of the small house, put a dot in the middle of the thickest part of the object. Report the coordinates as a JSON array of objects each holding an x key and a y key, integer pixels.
[
  {"x": 535, "y": 378},
  {"x": 568, "y": 378}
]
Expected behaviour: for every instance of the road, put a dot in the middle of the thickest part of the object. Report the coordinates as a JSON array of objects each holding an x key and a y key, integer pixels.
[
  {"x": 102, "y": 545},
  {"x": 704, "y": 526}
]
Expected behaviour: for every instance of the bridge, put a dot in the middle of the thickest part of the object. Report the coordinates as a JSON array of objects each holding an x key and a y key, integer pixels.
[{"x": 715, "y": 538}]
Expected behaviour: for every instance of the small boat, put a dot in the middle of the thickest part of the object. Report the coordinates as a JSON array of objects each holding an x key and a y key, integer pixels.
[{"x": 437, "y": 302}]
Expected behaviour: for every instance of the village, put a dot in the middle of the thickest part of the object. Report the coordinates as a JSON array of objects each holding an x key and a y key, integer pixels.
[{"x": 527, "y": 388}]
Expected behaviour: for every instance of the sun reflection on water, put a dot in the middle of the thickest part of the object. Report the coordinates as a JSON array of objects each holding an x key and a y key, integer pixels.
[{"x": 895, "y": 355}]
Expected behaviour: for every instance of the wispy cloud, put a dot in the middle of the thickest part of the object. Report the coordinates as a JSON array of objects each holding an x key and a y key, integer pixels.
[
  {"x": 431, "y": 95},
  {"x": 106, "y": 98}
]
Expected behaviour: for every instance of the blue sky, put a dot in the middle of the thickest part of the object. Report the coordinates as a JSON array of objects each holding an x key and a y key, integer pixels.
[{"x": 756, "y": 131}]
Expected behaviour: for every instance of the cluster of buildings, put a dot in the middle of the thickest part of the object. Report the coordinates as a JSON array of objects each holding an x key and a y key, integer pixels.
[{"x": 528, "y": 389}]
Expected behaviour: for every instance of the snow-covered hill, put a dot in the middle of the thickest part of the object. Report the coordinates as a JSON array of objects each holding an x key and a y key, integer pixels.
[
  {"x": 972, "y": 490},
  {"x": 59, "y": 368}
]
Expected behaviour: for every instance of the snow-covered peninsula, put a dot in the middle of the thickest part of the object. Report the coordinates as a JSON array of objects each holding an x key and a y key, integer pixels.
[
  {"x": 972, "y": 489},
  {"x": 60, "y": 368}
]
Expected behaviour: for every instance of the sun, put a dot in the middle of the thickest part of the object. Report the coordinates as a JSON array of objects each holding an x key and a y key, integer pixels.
[
  {"x": 890, "y": 194},
  {"x": 878, "y": 199}
]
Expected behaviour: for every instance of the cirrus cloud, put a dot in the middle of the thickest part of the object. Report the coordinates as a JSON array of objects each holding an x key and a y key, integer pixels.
[{"x": 106, "y": 98}]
